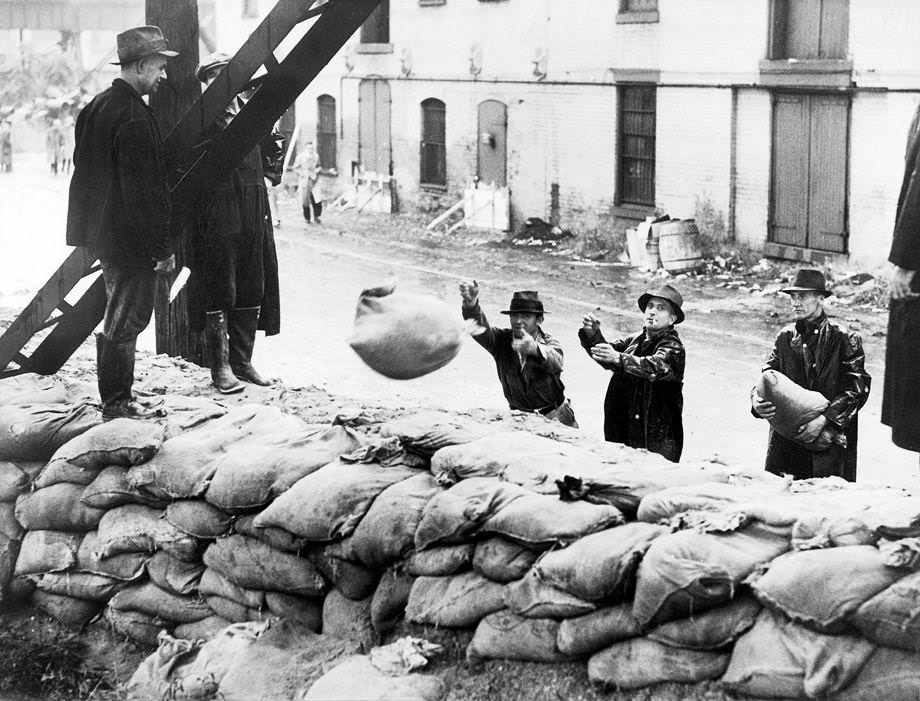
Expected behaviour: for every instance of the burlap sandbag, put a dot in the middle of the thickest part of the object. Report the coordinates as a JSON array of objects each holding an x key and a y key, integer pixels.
[
  {"x": 184, "y": 465},
  {"x": 440, "y": 561},
  {"x": 810, "y": 586},
  {"x": 81, "y": 585},
  {"x": 328, "y": 504},
  {"x": 72, "y": 612},
  {"x": 892, "y": 617},
  {"x": 213, "y": 583},
  {"x": 599, "y": 566},
  {"x": 13, "y": 481},
  {"x": 9, "y": 553},
  {"x": 425, "y": 432},
  {"x": 198, "y": 518},
  {"x": 387, "y": 531},
  {"x": 251, "y": 563},
  {"x": 640, "y": 662},
  {"x": 352, "y": 579},
  {"x": 357, "y": 679},
  {"x": 532, "y": 598},
  {"x": 47, "y": 551},
  {"x": 663, "y": 505},
  {"x": 205, "y": 629},
  {"x": 817, "y": 531},
  {"x": 710, "y": 630},
  {"x": 778, "y": 658},
  {"x": 795, "y": 406},
  {"x": 888, "y": 675},
  {"x": 277, "y": 538},
  {"x": 173, "y": 575},
  {"x": 390, "y": 598},
  {"x": 134, "y": 528},
  {"x": 597, "y": 630},
  {"x": 150, "y": 599},
  {"x": 57, "y": 508},
  {"x": 123, "y": 442},
  {"x": 504, "y": 635},
  {"x": 348, "y": 619},
  {"x": 456, "y": 601},
  {"x": 502, "y": 560},
  {"x": 403, "y": 335},
  {"x": 253, "y": 475},
  {"x": 9, "y": 526},
  {"x": 140, "y": 628},
  {"x": 110, "y": 489},
  {"x": 125, "y": 566},
  {"x": 234, "y": 611},
  {"x": 688, "y": 572},
  {"x": 35, "y": 431}
]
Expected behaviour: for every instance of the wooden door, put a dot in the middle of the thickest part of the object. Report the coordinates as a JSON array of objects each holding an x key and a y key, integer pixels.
[
  {"x": 492, "y": 162},
  {"x": 374, "y": 126}
]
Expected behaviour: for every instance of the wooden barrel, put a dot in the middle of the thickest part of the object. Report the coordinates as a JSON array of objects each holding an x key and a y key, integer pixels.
[{"x": 679, "y": 245}]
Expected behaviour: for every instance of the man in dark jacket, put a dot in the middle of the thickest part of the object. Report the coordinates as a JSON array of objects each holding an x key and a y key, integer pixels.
[
  {"x": 234, "y": 283},
  {"x": 821, "y": 355},
  {"x": 119, "y": 209},
  {"x": 901, "y": 395},
  {"x": 528, "y": 360},
  {"x": 644, "y": 403}
]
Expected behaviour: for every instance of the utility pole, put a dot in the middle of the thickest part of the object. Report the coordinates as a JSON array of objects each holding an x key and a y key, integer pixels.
[{"x": 179, "y": 21}]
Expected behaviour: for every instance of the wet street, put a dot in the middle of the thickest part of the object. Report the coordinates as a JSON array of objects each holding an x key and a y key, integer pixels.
[{"x": 323, "y": 271}]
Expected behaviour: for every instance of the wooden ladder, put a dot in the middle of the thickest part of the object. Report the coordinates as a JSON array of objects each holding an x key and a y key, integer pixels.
[{"x": 335, "y": 22}]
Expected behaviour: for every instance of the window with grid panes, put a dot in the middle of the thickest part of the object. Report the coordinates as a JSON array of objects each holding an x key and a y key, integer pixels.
[
  {"x": 433, "y": 148},
  {"x": 636, "y": 162},
  {"x": 809, "y": 29},
  {"x": 326, "y": 131},
  {"x": 376, "y": 28}
]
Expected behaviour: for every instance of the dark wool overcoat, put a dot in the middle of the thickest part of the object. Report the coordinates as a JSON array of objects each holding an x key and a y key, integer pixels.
[
  {"x": 901, "y": 396},
  {"x": 119, "y": 200},
  {"x": 826, "y": 357},
  {"x": 644, "y": 403}
]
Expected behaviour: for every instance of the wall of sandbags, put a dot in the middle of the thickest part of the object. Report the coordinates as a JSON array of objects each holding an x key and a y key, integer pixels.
[{"x": 550, "y": 550}]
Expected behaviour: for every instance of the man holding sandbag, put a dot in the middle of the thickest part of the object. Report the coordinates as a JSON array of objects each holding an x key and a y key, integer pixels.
[
  {"x": 528, "y": 360},
  {"x": 817, "y": 354}
]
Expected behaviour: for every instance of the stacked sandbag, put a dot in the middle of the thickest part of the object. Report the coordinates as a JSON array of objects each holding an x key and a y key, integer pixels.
[
  {"x": 15, "y": 479},
  {"x": 424, "y": 433}
]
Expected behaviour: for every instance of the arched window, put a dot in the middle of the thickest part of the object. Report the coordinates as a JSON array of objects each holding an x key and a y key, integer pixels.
[
  {"x": 326, "y": 132},
  {"x": 433, "y": 151}
]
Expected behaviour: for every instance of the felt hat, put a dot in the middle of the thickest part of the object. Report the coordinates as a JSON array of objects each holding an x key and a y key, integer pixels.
[
  {"x": 214, "y": 60},
  {"x": 525, "y": 302},
  {"x": 139, "y": 42},
  {"x": 665, "y": 292},
  {"x": 808, "y": 280}
]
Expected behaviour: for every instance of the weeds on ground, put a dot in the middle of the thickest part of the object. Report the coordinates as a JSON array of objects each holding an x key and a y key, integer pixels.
[{"x": 42, "y": 660}]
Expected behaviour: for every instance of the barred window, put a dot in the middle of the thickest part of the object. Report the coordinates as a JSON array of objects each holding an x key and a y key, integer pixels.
[
  {"x": 433, "y": 149},
  {"x": 636, "y": 162}
]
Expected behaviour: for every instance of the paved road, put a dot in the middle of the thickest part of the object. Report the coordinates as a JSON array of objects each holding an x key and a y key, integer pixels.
[{"x": 323, "y": 273}]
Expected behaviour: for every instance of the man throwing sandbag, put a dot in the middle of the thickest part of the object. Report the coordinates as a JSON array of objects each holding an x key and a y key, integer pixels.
[
  {"x": 528, "y": 360},
  {"x": 817, "y": 354}
]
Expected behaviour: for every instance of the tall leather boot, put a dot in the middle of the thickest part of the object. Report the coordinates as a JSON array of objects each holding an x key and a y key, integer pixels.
[
  {"x": 115, "y": 377},
  {"x": 221, "y": 375},
  {"x": 243, "y": 323}
]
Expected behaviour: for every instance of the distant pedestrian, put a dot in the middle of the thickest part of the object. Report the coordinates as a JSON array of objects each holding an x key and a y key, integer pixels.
[
  {"x": 528, "y": 360},
  {"x": 644, "y": 403},
  {"x": 67, "y": 144},
  {"x": 901, "y": 396},
  {"x": 822, "y": 355},
  {"x": 53, "y": 145},
  {"x": 306, "y": 165},
  {"x": 6, "y": 146},
  {"x": 119, "y": 209}
]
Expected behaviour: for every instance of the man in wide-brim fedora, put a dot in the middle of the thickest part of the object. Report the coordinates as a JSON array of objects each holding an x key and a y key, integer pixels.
[
  {"x": 644, "y": 403},
  {"x": 119, "y": 208},
  {"x": 819, "y": 354},
  {"x": 528, "y": 360}
]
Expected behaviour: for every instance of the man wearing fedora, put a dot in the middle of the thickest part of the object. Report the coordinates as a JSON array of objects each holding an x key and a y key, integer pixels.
[
  {"x": 819, "y": 354},
  {"x": 119, "y": 208},
  {"x": 233, "y": 289},
  {"x": 644, "y": 403},
  {"x": 528, "y": 360}
]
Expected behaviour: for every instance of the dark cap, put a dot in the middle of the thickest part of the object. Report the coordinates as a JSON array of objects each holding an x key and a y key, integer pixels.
[
  {"x": 525, "y": 302},
  {"x": 218, "y": 59},
  {"x": 140, "y": 42},
  {"x": 665, "y": 292},
  {"x": 808, "y": 280}
]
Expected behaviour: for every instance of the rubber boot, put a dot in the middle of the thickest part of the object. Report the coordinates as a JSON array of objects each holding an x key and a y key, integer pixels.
[
  {"x": 221, "y": 375},
  {"x": 115, "y": 377},
  {"x": 242, "y": 324}
]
